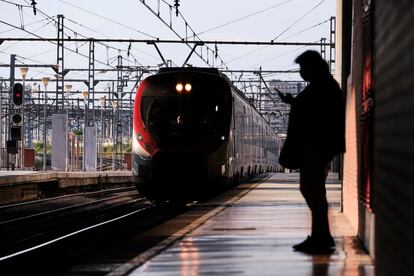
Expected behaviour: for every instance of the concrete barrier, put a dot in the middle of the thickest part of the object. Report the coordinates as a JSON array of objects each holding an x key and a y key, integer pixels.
[{"x": 22, "y": 186}]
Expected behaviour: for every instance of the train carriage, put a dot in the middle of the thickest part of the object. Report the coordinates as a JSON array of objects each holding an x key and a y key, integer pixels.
[{"x": 195, "y": 133}]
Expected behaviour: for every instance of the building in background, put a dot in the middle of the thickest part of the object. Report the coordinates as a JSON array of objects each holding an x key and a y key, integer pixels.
[{"x": 278, "y": 115}]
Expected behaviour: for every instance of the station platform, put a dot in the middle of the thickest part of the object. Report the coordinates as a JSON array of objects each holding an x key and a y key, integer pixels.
[
  {"x": 17, "y": 186},
  {"x": 252, "y": 232}
]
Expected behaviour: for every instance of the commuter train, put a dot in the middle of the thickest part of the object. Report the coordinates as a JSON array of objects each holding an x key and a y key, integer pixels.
[{"x": 195, "y": 133}]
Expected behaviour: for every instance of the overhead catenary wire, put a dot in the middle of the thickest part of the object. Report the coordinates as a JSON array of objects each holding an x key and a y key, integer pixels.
[
  {"x": 107, "y": 19},
  {"x": 90, "y": 29},
  {"x": 279, "y": 56},
  {"x": 299, "y": 19},
  {"x": 244, "y": 17},
  {"x": 16, "y": 4},
  {"x": 49, "y": 40},
  {"x": 284, "y": 31},
  {"x": 44, "y": 25},
  {"x": 52, "y": 18},
  {"x": 307, "y": 29},
  {"x": 27, "y": 25},
  {"x": 114, "y": 47},
  {"x": 32, "y": 32},
  {"x": 187, "y": 26},
  {"x": 108, "y": 46}
]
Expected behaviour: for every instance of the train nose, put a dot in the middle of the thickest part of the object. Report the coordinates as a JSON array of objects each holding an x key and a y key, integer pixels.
[{"x": 179, "y": 166}]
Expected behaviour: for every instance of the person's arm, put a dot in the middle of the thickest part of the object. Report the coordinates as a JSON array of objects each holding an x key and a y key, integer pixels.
[{"x": 285, "y": 97}]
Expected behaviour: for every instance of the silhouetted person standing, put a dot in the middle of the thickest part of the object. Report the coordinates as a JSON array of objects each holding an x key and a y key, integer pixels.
[{"x": 316, "y": 133}]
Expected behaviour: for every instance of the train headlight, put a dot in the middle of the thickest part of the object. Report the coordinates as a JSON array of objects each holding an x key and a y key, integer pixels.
[
  {"x": 179, "y": 87},
  {"x": 188, "y": 87}
]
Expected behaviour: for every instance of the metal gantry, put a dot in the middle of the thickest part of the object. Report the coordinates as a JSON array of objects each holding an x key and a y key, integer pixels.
[{"x": 115, "y": 116}]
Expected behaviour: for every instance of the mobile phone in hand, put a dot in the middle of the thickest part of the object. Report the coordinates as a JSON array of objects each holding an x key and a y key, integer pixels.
[{"x": 281, "y": 95}]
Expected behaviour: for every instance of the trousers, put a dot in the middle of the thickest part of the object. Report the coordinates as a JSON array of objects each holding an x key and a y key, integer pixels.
[{"x": 313, "y": 173}]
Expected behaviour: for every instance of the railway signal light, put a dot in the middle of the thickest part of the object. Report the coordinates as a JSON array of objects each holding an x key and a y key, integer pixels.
[
  {"x": 16, "y": 119},
  {"x": 18, "y": 94}
]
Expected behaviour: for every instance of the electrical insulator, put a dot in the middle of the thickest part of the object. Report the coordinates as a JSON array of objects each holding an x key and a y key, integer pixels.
[{"x": 176, "y": 5}]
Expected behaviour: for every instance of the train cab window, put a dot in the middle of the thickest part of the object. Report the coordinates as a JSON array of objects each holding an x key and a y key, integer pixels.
[{"x": 187, "y": 117}]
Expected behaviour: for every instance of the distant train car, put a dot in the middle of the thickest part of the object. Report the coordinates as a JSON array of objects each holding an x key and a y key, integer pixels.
[{"x": 194, "y": 133}]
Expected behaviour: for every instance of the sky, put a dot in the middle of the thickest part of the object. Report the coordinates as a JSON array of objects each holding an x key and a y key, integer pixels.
[{"x": 229, "y": 20}]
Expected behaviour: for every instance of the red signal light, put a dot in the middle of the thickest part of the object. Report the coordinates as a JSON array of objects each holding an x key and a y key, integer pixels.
[{"x": 17, "y": 94}]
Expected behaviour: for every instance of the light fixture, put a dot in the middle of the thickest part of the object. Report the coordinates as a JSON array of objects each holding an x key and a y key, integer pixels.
[
  {"x": 188, "y": 87},
  {"x": 102, "y": 101},
  {"x": 179, "y": 87},
  {"x": 85, "y": 94},
  {"x": 68, "y": 88},
  {"x": 23, "y": 72},
  {"x": 45, "y": 81}
]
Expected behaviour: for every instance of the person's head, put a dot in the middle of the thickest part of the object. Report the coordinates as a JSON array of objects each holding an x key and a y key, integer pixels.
[{"x": 312, "y": 65}]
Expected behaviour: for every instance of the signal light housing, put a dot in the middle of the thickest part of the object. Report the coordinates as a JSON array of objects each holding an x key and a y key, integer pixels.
[
  {"x": 16, "y": 118},
  {"x": 18, "y": 94}
]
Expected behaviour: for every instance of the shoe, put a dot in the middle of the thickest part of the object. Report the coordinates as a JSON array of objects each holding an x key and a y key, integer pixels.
[
  {"x": 316, "y": 245},
  {"x": 306, "y": 243},
  {"x": 325, "y": 241}
]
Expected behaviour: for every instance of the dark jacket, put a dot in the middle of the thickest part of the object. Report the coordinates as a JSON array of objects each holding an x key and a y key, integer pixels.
[{"x": 316, "y": 123}]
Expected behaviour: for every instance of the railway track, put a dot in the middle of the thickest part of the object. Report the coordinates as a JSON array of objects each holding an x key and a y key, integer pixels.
[
  {"x": 51, "y": 235},
  {"x": 30, "y": 227}
]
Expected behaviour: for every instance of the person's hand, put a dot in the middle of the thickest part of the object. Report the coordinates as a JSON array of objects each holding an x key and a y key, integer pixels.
[{"x": 286, "y": 98}]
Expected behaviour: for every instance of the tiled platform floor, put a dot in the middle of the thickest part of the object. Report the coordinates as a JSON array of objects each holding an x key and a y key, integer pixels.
[{"x": 254, "y": 236}]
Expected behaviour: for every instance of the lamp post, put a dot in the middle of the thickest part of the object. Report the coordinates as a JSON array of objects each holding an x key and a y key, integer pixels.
[
  {"x": 23, "y": 72},
  {"x": 102, "y": 101},
  {"x": 114, "y": 106},
  {"x": 85, "y": 95},
  {"x": 68, "y": 88},
  {"x": 45, "y": 81}
]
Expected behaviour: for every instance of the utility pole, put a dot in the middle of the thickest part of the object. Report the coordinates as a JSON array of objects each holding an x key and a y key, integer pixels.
[
  {"x": 332, "y": 40},
  {"x": 59, "y": 68},
  {"x": 91, "y": 77},
  {"x": 323, "y": 48},
  {"x": 11, "y": 79},
  {"x": 120, "y": 88}
]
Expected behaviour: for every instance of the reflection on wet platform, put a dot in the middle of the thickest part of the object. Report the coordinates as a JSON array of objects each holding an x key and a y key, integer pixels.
[{"x": 254, "y": 236}]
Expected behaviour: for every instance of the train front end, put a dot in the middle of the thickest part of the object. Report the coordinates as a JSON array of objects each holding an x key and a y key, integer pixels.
[{"x": 181, "y": 132}]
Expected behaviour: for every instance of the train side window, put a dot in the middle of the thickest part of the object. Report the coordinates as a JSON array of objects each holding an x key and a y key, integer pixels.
[{"x": 244, "y": 109}]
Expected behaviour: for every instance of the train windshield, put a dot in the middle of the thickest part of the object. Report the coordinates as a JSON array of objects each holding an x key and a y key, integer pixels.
[{"x": 174, "y": 115}]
